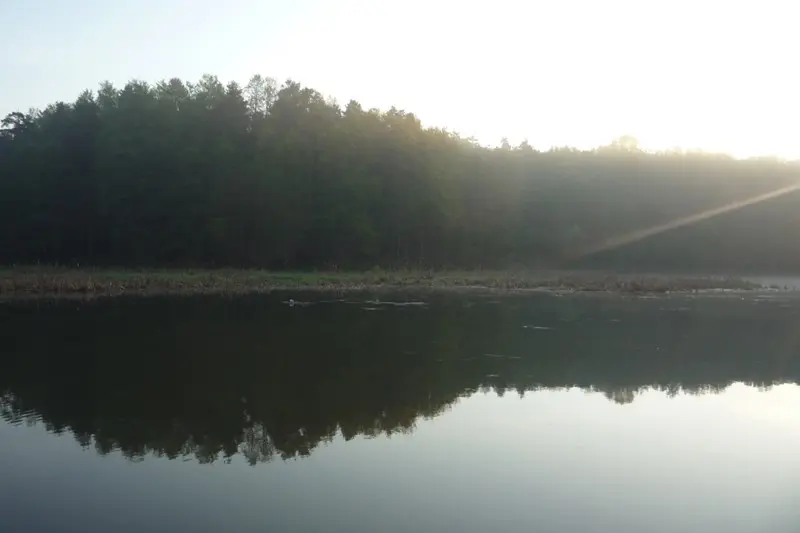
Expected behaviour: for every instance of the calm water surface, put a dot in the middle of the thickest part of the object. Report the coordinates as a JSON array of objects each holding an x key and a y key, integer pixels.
[{"x": 433, "y": 413}]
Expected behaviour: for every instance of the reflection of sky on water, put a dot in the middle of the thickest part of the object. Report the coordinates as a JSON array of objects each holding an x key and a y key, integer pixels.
[{"x": 553, "y": 460}]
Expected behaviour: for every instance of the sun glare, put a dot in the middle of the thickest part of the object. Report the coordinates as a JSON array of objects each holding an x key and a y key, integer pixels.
[{"x": 697, "y": 75}]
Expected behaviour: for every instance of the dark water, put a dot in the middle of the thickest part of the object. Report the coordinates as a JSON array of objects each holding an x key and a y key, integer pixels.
[{"x": 466, "y": 414}]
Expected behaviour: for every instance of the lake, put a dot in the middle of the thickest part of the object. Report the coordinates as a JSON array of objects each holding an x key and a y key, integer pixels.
[{"x": 400, "y": 413}]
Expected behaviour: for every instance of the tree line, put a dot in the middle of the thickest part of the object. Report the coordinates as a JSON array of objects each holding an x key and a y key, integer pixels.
[{"x": 279, "y": 176}]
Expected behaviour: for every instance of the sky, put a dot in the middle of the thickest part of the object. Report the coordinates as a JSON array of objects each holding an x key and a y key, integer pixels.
[{"x": 697, "y": 74}]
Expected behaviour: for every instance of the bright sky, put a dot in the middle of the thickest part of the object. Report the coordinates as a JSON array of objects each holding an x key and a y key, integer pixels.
[{"x": 712, "y": 74}]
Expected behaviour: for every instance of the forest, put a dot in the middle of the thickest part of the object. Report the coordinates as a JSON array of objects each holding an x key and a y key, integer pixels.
[{"x": 184, "y": 174}]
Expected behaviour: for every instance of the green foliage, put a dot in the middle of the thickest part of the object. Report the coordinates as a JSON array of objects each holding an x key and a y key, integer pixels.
[{"x": 279, "y": 177}]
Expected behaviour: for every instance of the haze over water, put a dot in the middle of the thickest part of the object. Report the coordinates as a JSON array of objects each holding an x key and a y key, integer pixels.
[{"x": 410, "y": 413}]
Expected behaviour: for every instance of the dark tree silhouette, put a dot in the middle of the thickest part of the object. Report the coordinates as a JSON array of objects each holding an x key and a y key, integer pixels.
[{"x": 207, "y": 174}]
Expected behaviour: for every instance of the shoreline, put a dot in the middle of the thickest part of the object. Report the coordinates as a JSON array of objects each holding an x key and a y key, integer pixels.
[{"x": 49, "y": 282}]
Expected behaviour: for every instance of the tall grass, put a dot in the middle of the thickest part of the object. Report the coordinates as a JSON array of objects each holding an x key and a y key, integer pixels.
[{"x": 53, "y": 281}]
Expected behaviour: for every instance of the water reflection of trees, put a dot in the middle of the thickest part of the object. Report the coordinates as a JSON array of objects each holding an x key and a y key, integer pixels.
[{"x": 212, "y": 378}]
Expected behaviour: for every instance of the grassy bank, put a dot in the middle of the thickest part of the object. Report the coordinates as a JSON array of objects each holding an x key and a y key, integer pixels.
[{"x": 57, "y": 282}]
